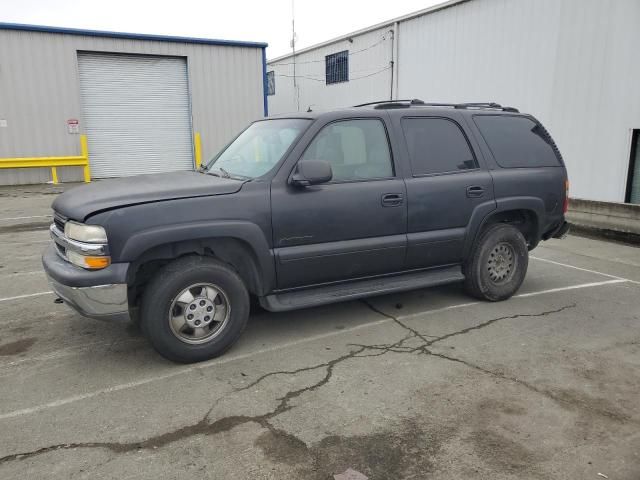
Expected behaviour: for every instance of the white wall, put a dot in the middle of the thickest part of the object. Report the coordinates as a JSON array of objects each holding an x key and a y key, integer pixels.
[
  {"x": 572, "y": 63},
  {"x": 373, "y": 64}
]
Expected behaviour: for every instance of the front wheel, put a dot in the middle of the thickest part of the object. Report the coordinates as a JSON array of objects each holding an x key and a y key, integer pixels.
[
  {"x": 498, "y": 264},
  {"x": 194, "y": 309}
]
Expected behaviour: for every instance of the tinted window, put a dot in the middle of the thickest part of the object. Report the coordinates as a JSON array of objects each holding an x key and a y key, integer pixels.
[
  {"x": 436, "y": 145},
  {"x": 517, "y": 141},
  {"x": 356, "y": 150}
]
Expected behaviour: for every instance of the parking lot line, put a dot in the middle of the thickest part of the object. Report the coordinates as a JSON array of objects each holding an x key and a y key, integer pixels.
[
  {"x": 25, "y": 218},
  {"x": 182, "y": 370},
  {"x": 579, "y": 268},
  {"x": 15, "y": 274},
  {"x": 18, "y": 297},
  {"x": 572, "y": 287}
]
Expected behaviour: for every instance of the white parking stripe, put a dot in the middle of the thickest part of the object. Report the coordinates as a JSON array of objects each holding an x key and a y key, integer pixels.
[
  {"x": 26, "y": 218},
  {"x": 17, "y": 274},
  {"x": 571, "y": 287},
  {"x": 18, "y": 297},
  {"x": 182, "y": 370},
  {"x": 26, "y": 242},
  {"x": 578, "y": 268}
]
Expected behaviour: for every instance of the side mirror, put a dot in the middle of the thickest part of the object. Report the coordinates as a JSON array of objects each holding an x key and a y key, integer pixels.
[{"x": 311, "y": 172}]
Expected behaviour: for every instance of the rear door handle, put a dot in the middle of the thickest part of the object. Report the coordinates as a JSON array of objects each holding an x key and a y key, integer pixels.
[
  {"x": 392, "y": 199},
  {"x": 475, "y": 191}
]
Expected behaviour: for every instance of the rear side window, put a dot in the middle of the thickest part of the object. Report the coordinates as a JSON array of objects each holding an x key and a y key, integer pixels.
[
  {"x": 517, "y": 141},
  {"x": 436, "y": 145}
]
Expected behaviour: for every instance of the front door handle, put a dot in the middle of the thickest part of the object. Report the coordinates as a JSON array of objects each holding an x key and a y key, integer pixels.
[
  {"x": 475, "y": 191},
  {"x": 392, "y": 199}
]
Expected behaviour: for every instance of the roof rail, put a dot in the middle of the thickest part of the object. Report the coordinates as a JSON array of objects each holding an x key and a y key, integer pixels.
[
  {"x": 413, "y": 101},
  {"x": 494, "y": 105},
  {"x": 419, "y": 103}
]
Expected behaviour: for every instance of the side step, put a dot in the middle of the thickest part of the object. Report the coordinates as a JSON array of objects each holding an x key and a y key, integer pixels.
[{"x": 312, "y": 297}]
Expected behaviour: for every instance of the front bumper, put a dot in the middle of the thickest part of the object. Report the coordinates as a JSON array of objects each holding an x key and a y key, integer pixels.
[{"x": 98, "y": 294}]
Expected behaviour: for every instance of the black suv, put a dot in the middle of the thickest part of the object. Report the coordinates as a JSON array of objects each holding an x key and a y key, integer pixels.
[{"x": 307, "y": 209}]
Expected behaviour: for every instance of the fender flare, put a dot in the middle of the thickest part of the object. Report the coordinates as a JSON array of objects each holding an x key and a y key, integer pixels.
[
  {"x": 481, "y": 216},
  {"x": 246, "y": 232}
]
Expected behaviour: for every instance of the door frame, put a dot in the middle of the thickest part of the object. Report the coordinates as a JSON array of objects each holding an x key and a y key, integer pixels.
[
  {"x": 633, "y": 155},
  {"x": 281, "y": 178}
]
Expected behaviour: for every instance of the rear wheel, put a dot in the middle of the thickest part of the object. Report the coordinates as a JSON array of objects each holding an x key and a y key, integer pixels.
[
  {"x": 498, "y": 264},
  {"x": 194, "y": 309}
]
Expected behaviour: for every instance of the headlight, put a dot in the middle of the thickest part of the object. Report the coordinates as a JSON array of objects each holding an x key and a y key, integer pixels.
[{"x": 85, "y": 233}]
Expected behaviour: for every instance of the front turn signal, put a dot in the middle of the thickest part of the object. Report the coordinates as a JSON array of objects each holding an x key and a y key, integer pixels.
[
  {"x": 90, "y": 262},
  {"x": 96, "y": 263}
]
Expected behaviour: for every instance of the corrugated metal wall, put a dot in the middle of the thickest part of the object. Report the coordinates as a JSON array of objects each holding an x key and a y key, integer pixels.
[
  {"x": 369, "y": 75},
  {"x": 572, "y": 63},
  {"x": 39, "y": 91}
]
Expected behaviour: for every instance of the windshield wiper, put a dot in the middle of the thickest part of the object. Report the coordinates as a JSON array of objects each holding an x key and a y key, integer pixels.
[{"x": 222, "y": 173}]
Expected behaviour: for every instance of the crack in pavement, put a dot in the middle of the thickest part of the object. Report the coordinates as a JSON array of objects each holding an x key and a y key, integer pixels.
[
  {"x": 206, "y": 427},
  {"x": 479, "y": 326},
  {"x": 423, "y": 349}
]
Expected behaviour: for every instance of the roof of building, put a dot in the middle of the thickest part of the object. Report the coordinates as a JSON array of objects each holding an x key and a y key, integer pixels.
[
  {"x": 129, "y": 36},
  {"x": 409, "y": 16}
]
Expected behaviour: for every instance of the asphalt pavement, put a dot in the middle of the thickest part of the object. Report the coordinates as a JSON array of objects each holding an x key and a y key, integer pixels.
[{"x": 419, "y": 385}]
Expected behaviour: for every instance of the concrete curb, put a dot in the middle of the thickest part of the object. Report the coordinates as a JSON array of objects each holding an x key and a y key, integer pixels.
[{"x": 619, "y": 221}]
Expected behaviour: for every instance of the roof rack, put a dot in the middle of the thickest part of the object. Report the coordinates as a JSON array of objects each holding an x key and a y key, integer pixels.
[
  {"x": 384, "y": 104},
  {"x": 414, "y": 101}
]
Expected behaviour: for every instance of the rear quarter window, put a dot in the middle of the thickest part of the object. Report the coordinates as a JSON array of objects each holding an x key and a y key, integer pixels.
[{"x": 517, "y": 142}]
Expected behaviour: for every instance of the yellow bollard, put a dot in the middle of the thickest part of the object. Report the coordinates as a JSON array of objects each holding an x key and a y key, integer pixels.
[
  {"x": 84, "y": 149},
  {"x": 54, "y": 175},
  {"x": 197, "y": 149}
]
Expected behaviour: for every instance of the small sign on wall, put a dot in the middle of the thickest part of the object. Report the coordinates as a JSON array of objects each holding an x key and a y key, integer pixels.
[
  {"x": 3, "y": 123},
  {"x": 73, "y": 125}
]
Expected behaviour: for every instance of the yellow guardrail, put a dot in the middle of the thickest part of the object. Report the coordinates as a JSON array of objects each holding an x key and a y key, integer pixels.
[{"x": 81, "y": 160}]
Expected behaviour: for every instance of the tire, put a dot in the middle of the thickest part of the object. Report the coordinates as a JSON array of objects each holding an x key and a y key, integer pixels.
[
  {"x": 217, "y": 301},
  {"x": 498, "y": 263}
]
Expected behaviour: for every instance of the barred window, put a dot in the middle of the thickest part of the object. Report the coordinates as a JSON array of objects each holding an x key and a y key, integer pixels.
[
  {"x": 271, "y": 83},
  {"x": 337, "y": 67}
]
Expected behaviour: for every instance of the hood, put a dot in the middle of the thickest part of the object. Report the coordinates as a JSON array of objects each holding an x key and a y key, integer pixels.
[{"x": 80, "y": 202}]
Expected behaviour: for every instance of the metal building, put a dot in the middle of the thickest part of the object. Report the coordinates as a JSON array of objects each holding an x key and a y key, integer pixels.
[
  {"x": 571, "y": 63},
  {"x": 146, "y": 103}
]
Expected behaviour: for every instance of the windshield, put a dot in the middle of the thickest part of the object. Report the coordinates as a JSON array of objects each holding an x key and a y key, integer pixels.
[{"x": 258, "y": 149}]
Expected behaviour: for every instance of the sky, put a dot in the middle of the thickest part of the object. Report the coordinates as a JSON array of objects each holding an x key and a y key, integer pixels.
[{"x": 255, "y": 20}]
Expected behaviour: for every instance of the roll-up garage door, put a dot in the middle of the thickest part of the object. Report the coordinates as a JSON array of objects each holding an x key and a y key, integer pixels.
[{"x": 136, "y": 112}]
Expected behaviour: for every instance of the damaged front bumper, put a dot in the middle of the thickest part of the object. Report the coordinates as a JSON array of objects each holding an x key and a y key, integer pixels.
[{"x": 95, "y": 294}]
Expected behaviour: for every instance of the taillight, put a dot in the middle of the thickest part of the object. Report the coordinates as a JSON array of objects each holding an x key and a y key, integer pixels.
[{"x": 565, "y": 205}]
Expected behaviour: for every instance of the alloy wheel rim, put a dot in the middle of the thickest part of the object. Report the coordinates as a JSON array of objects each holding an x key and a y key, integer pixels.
[
  {"x": 501, "y": 263},
  {"x": 199, "y": 313}
]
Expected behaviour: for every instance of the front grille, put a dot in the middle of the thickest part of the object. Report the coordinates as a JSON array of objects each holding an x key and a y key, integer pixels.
[
  {"x": 61, "y": 250},
  {"x": 59, "y": 221}
]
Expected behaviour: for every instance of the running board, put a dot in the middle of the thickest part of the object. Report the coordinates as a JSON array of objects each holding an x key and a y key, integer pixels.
[{"x": 313, "y": 297}]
